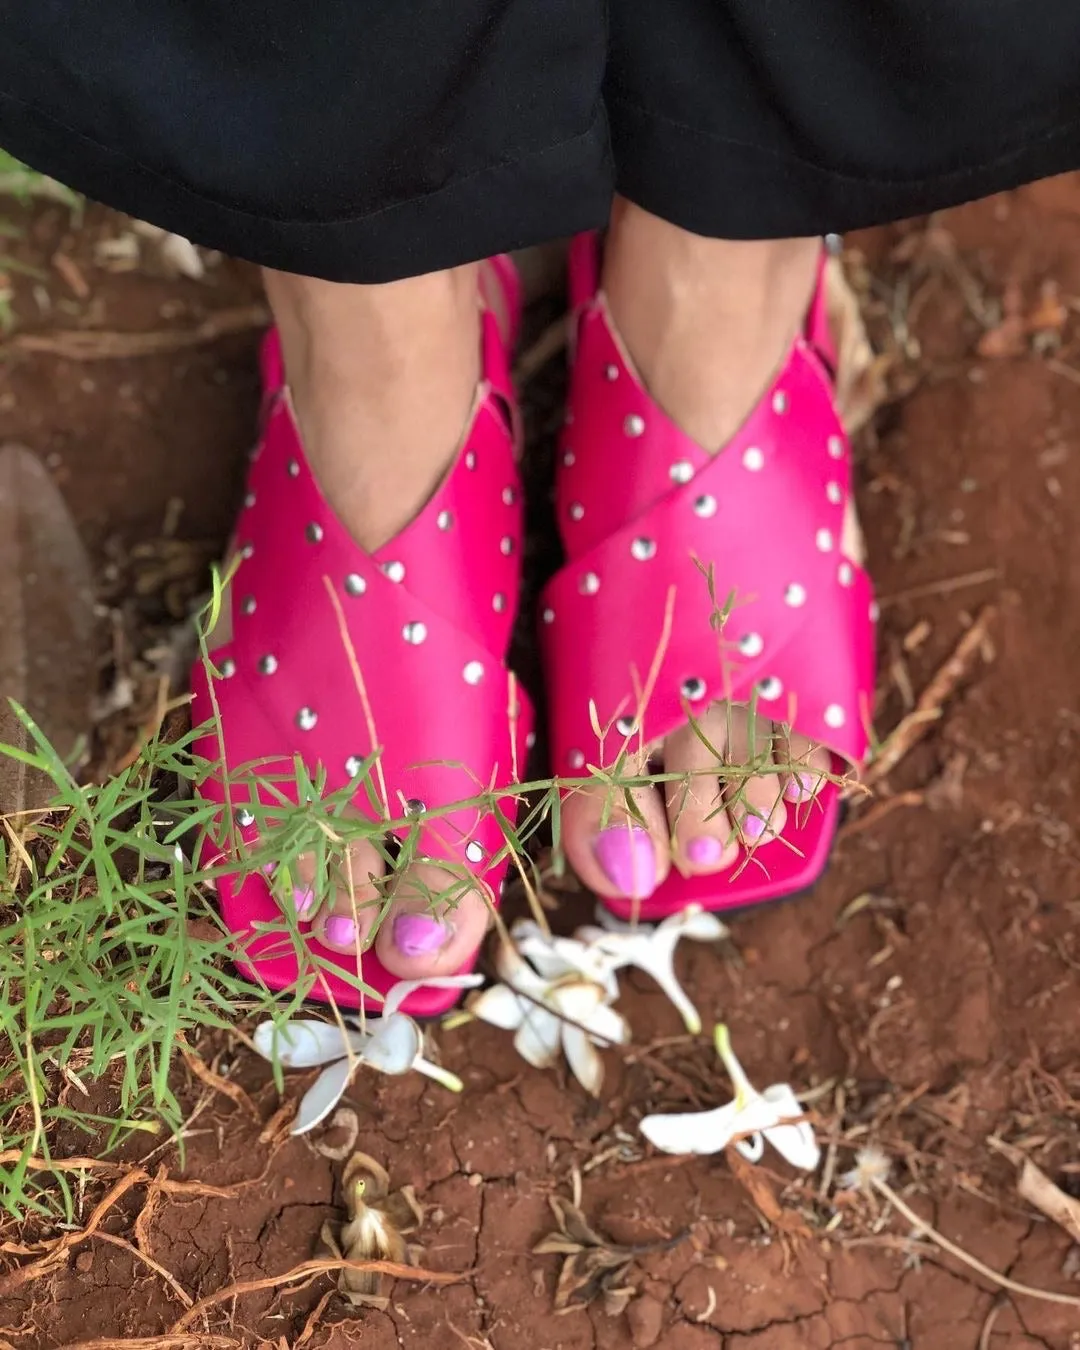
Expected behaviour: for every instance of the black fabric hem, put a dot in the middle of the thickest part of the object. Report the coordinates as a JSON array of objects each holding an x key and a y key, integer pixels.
[
  {"x": 726, "y": 190},
  {"x": 554, "y": 192}
]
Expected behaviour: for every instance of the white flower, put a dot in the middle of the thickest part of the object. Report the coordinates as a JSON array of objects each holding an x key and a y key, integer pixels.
[
  {"x": 652, "y": 949},
  {"x": 748, "y": 1121},
  {"x": 551, "y": 1006},
  {"x": 391, "y": 1044}
]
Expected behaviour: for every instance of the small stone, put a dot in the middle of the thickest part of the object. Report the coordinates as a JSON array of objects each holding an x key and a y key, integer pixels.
[
  {"x": 645, "y": 1316},
  {"x": 84, "y": 1262}
]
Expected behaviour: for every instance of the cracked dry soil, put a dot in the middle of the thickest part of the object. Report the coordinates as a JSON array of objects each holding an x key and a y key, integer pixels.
[{"x": 941, "y": 1013}]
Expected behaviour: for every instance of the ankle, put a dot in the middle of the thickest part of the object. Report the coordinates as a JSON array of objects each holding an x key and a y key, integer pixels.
[
  {"x": 382, "y": 380},
  {"x": 705, "y": 321}
]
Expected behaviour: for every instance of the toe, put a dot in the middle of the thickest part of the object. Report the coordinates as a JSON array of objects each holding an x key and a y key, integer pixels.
[
  {"x": 754, "y": 785},
  {"x": 613, "y": 853},
  {"x": 805, "y": 766},
  {"x": 436, "y": 922},
  {"x": 703, "y": 837},
  {"x": 342, "y": 897}
]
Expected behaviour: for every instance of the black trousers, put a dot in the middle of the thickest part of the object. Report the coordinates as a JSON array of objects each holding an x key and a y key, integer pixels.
[{"x": 366, "y": 140}]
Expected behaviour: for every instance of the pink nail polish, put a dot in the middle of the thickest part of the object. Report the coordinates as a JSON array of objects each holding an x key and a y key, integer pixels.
[
  {"x": 800, "y": 787},
  {"x": 753, "y": 827},
  {"x": 419, "y": 934},
  {"x": 627, "y": 856},
  {"x": 304, "y": 900},
  {"x": 340, "y": 930},
  {"x": 704, "y": 850}
]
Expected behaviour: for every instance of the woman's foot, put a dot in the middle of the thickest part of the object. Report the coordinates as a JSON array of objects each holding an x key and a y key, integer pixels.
[
  {"x": 383, "y": 384},
  {"x": 706, "y": 324}
]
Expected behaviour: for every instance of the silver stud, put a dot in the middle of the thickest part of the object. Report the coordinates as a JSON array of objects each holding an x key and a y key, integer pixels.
[
  {"x": 577, "y": 511},
  {"x": 473, "y": 672},
  {"x": 474, "y": 852},
  {"x": 247, "y": 605},
  {"x": 506, "y": 545},
  {"x": 643, "y": 549},
  {"x": 355, "y": 584},
  {"x": 705, "y": 506},
  {"x": 228, "y": 668},
  {"x": 770, "y": 688},
  {"x": 835, "y": 493},
  {"x": 576, "y": 759},
  {"x": 508, "y": 496},
  {"x": 634, "y": 425},
  {"x": 249, "y": 500},
  {"x": 824, "y": 540},
  {"x": 681, "y": 471},
  {"x": 693, "y": 688},
  {"x": 626, "y": 726},
  {"x": 753, "y": 458},
  {"x": 267, "y": 664},
  {"x": 611, "y": 373},
  {"x": 244, "y": 817},
  {"x": 394, "y": 570},
  {"x": 780, "y": 402},
  {"x": 306, "y": 718},
  {"x": 414, "y": 633},
  {"x": 875, "y": 611},
  {"x": 293, "y": 467},
  {"x": 568, "y": 459},
  {"x": 470, "y": 460},
  {"x": 589, "y": 584},
  {"x": 845, "y": 573},
  {"x": 795, "y": 595},
  {"x": 314, "y": 532},
  {"x": 444, "y": 520},
  {"x": 530, "y": 740},
  {"x": 498, "y": 602},
  {"x": 835, "y": 716},
  {"x": 415, "y": 807},
  {"x": 248, "y": 551},
  {"x": 353, "y": 765},
  {"x": 548, "y": 615},
  {"x": 751, "y": 644},
  {"x": 836, "y": 447}
]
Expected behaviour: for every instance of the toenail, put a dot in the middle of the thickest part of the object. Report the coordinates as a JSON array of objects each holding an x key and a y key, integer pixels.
[
  {"x": 753, "y": 827},
  {"x": 800, "y": 787},
  {"x": 304, "y": 900},
  {"x": 340, "y": 930},
  {"x": 704, "y": 850},
  {"x": 419, "y": 934},
  {"x": 628, "y": 859}
]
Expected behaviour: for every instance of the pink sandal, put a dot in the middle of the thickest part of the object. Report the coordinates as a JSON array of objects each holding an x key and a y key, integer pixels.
[
  {"x": 651, "y": 523},
  {"x": 429, "y": 618}
]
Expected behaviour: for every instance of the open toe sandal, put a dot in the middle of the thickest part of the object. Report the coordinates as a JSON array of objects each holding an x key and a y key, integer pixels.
[
  {"x": 385, "y": 672},
  {"x": 693, "y": 577}
]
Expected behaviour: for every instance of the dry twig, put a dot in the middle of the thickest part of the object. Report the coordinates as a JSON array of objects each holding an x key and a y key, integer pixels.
[
  {"x": 911, "y": 729},
  {"x": 88, "y": 345}
]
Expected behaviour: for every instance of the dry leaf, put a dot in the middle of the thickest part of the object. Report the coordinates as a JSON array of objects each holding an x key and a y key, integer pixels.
[
  {"x": 1038, "y": 1190},
  {"x": 48, "y": 660},
  {"x": 755, "y": 1183},
  {"x": 860, "y": 375},
  {"x": 593, "y": 1267}
]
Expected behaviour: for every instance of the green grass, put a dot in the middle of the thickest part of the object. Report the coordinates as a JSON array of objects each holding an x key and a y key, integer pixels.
[{"x": 22, "y": 183}]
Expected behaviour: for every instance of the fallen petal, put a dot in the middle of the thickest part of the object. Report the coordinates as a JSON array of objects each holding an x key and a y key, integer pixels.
[
  {"x": 752, "y": 1147},
  {"x": 538, "y": 1037},
  {"x": 795, "y": 1141},
  {"x": 585, "y": 1063},
  {"x": 398, "y": 993},
  {"x": 539, "y": 949},
  {"x": 499, "y": 1006},
  {"x": 395, "y": 1045},
  {"x": 305, "y": 1043},
  {"x": 693, "y": 1131},
  {"x": 323, "y": 1095},
  {"x": 699, "y": 924},
  {"x": 608, "y": 1027},
  {"x": 514, "y": 970}
]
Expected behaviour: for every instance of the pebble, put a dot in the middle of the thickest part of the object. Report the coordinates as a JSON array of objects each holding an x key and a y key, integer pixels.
[{"x": 646, "y": 1318}]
